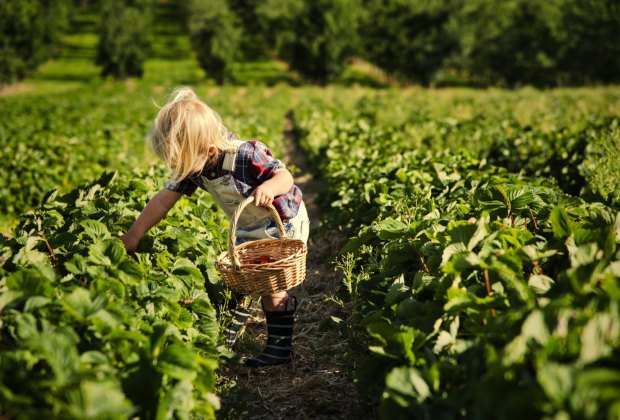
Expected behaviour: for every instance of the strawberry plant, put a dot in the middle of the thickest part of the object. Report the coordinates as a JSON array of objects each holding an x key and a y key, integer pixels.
[
  {"x": 89, "y": 331},
  {"x": 562, "y": 134},
  {"x": 483, "y": 292},
  {"x": 49, "y": 141}
]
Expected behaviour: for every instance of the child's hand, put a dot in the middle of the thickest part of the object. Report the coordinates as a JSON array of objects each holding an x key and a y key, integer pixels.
[
  {"x": 262, "y": 196},
  {"x": 130, "y": 242}
]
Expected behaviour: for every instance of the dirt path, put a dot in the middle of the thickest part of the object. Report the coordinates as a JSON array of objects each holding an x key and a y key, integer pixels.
[{"x": 318, "y": 383}]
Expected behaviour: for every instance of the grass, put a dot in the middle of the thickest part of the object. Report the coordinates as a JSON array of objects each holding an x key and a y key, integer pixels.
[
  {"x": 74, "y": 67},
  {"x": 268, "y": 72}
]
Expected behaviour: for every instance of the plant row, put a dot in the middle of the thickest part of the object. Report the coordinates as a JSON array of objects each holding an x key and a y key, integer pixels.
[
  {"x": 571, "y": 136},
  {"x": 90, "y": 332},
  {"x": 51, "y": 141},
  {"x": 86, "y": 330},
  {"x": 480, "y": 292}
]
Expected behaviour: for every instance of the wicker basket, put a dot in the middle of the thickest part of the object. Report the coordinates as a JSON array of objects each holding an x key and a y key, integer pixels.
[{"x": 265, "y": 266}]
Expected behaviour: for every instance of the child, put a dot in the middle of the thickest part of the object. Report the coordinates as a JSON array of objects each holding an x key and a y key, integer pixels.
[{"x": 191, "y": 139}]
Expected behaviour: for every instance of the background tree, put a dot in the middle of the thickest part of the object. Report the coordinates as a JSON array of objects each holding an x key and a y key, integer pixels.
[
  {"x": 31, "y": 30},
  {"x": 123, "y": 37},
  {"x": 253, "y": 44},
  {"x": 215, "y": 34},
  {"x": 409, "y": 40},
  {"x": 590, "y": 41},
  {"x": 315, "y": 38},
  {"x": 511, "y": 42}
]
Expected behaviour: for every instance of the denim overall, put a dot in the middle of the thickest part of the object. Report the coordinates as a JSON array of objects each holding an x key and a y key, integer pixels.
[{"x": 254, "y": 222}]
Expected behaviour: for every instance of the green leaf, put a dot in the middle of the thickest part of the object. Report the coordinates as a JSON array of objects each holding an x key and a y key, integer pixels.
[
  {"x": 36, "y": 302},
  {"x": 29, "y": 256},
  {"x": 8, "y": 297},
  {"x": 129, "y": 271},
  {"x": 535, "y": 327},
  {"x": 158, "y": 338},
  {"x": 108, "y": 252},
  {"x": 540, "y": 283},
  {"x": 582, "y": 255},
  {"x": 397, "y": 292},
  {"x": 534, "y": 333},
  {"x": 80, "y": 304},
  {"x": 95, "y": 229},
  {"x": 390, "y": 228},
  {"x": 207, "y": 322},
  {"x": 519, "y": 198},
  {"x": 597, "y": 338},
  {"x": 109, "y": 287},
  {"x": 94, "y": 357},
  {"x": 595, "y": 388},
  {"x": 560, "y": 222},
  {"x": 164, "y": 260},
  {"x": 191, "y": 276},
  {"x": 508, "y": 267},
  {"x": 452, "y": 250},
  {"x": 406, "y": 386},
  {"x": 463, "y": 261},
  {"x": 556, "y": 380},
  {"x": 444, "y": 340},
  {"x": 184, "y": 319},
  {"x": 103, "y": 321},
  {"x": 458, "y": 299},
  {"x": 77, "y": 265},
  {"x": 397, "y": 340},
  {"x": 58, "y": 348},
  {"x": 101, "y": 399},
  {"x": 30, "y": 282},
  {"x": 26, "y": 326},
  {"x": 52, "y": 220},
  {"x": 178, "y": 361},
  {"x": 106, "y": 178}
]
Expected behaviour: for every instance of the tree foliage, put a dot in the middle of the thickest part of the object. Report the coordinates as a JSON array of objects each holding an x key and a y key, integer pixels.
[
  {"x": 512, "y": 42},
  {"x": 590, "y": 42},
  {"x": 215, "y": 35},
  {"x": 315, "y": 38},
  {"x": 31, "y": 31},
  {"x": 123, "y": 37},
  {"x": 407, "y": 39},
  {"x": 253, "y": 44}
]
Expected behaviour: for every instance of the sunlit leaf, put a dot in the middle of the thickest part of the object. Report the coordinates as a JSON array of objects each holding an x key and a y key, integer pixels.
[{"x": 560, "y": 222}]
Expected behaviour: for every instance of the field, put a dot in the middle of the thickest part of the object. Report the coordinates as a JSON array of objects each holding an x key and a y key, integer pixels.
[{"x": 475, "y": 236}]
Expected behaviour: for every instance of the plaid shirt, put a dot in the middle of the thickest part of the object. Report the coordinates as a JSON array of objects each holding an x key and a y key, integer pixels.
[{"x": 254, "y": 165}]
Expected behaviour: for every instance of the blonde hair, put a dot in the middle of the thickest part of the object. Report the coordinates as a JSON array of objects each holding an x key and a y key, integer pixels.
[{"x": 186, "y": 132}]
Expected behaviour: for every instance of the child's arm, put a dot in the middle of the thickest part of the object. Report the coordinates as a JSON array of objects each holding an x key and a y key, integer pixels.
[
  {"x": 280, "y": 183},
  {"x": 155, "y": 210}
]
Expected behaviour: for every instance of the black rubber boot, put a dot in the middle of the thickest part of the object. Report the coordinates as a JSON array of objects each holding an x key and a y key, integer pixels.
[
  {"x": 279, "y": 349},
  {"x": 240, "y": 312}
]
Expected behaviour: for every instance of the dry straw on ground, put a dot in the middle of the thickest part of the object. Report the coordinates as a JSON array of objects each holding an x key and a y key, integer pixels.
[{"x": 318, "y": 384}]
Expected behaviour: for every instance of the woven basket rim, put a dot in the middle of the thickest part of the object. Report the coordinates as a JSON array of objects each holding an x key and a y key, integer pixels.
[
  {"x": 270, "y": 277},
  {"x": 226, "y": 263}
]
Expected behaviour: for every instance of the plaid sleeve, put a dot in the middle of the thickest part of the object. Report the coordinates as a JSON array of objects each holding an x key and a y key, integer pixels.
[
  {"x": 262, "y": 163},
  {"x": 185, "y": 186}
]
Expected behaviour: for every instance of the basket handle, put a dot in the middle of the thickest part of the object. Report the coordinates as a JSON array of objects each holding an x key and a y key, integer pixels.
[{"x": 232, "y": 237}]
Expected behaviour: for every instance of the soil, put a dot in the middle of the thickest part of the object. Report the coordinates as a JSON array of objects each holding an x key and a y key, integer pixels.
[
  {"x": 14, "y": 89},
  {"x": 318, "y": 383}
]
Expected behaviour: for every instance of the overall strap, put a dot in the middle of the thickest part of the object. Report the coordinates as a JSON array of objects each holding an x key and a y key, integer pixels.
[
  {"x": 229, "y": 160},
  {"x": 230, "y": 156}
]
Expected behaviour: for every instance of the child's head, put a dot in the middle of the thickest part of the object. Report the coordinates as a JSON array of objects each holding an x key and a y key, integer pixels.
[{"x": 186, "y": 133}]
